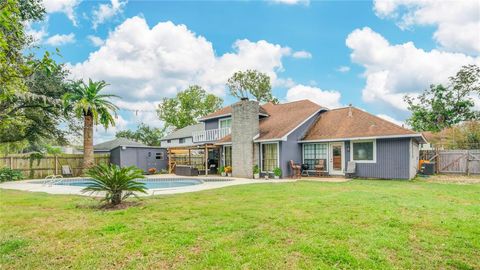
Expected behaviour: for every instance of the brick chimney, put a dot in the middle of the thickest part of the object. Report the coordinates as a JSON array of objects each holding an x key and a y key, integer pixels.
[{"x": 245, "y": 126}]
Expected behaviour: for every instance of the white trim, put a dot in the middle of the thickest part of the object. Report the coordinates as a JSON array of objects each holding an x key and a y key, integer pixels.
[
  {"x": 284, "y": 138},
  {"x": 374, "y": 141},
  {"x": 330, "y": 157},
  {"x": 267, "y": 140},
  {"x": 223, "y": 154},
  {"x": 224, "y": 143},
  {"x": 261, "y": 155},
  {"x": 256, "y": 136},
  {"x": 365, "y": 138}
]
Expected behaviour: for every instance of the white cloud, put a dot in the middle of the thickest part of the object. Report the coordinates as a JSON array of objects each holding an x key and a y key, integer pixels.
[
  {"x": 37, "y": 31},
  {"x": 105, "y": 12},
  {"x": 302, "y": 54},
  {"x": 457, "y": 22},
  {"x": 58, "y": 40},
  {"x": 391, "y": 119},
  {"x": 343, "y": 69},
  {"x": 326, "y": 98},
  {"x": 63, "y": 6},
  {"x": 96, "y": 41},
  {"x": 392, "y": 71},
  {"x": 143, "y": 63},
  {"x": 292, "y": 2}
]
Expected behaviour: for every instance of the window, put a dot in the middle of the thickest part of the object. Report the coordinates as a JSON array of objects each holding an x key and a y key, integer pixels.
[
  {"x": 364, "y": 151},
  {"x": 269, "y": 157},
  {"x": 169, "y": 141},
  {"x": 182, "y": 140},
  {"x": 225, "y": 123},
  {"x": 227, "y": 151},
  {"x": 313, "y": 153},
  {"x": 159, "y": 156}
]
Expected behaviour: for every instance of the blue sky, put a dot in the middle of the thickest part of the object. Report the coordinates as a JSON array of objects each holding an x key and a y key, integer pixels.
[{"x": 366, "y": 53}]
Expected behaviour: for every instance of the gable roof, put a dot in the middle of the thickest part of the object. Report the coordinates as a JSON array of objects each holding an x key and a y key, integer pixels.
[
  {"x": 350, "y": 122},
  {"x": 283, "y": 119},
  {"x": 109, "y": 145},
  {"x": 185, "y": 132},
  {"x": 227, "y": 111}
]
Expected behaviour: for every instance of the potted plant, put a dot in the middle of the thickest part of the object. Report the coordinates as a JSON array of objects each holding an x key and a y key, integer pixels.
[
  {"x": 152, "y": 170},
  {"x": 256, "y": 172},
  {"x": 228, "y": 171},
  {"x": 221, "y": 170},
  {"x": 277, "y": 172}
]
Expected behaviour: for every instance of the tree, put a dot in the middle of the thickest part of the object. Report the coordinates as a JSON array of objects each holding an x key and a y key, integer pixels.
[
  {"x": 144, "y": 134},
  {"x": 250, "y": 83},
  {"x": 41, "y": 117},
  {"x": 442, "y": 107},
  {"x": 187, "y": 107},
  {"x": 117, "y": 183},
  {"x": 86, "y": 101}
]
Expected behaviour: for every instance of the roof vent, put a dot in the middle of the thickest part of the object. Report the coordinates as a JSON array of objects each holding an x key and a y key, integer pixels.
[{"x": 350, "y": 113}]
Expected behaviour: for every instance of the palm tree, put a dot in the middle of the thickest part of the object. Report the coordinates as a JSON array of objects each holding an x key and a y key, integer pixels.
[
  {"x": 86, "y": 102},
  {"x": 118, "y": 183}
]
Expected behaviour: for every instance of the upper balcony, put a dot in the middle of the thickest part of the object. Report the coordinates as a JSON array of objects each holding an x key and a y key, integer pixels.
[{"x": 210, "y": 135}]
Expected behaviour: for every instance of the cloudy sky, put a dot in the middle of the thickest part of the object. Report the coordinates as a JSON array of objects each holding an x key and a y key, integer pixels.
[{"x": 369, "y": 54}]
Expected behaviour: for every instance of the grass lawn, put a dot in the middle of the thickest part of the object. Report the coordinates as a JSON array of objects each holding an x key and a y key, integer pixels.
[{"x": 358, "y": 224}]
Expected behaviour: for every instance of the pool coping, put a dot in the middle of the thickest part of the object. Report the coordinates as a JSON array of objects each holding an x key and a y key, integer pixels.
[{"x": 26, "y": 185}]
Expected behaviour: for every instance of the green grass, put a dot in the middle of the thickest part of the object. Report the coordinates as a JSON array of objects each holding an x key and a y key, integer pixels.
[{"x": 311, "y": 225}]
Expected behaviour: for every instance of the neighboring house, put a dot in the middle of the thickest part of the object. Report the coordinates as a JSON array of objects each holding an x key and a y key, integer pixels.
[
  {"x": 124, "y": 152},
  {"x": 246, "y": 134},
  {"x": 181, "y": 137}
]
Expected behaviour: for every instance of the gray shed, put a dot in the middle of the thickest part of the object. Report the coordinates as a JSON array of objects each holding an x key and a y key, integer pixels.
[{"x": 143, "y": 157}]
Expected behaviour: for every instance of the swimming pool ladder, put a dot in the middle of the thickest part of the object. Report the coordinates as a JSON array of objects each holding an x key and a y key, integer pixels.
[{"x": 52, "y": 179}]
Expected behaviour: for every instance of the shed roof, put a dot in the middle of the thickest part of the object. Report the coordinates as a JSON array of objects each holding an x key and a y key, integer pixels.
[{"x": 109, "y": 145}]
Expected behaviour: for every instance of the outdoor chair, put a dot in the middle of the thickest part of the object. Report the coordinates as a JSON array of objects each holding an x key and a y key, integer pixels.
[
  {"x": 320, "y": 168},
  {"x": 351, "y": 169},
  {"x": 295, "y": 168},
  {"x": 66, "y": 170}
]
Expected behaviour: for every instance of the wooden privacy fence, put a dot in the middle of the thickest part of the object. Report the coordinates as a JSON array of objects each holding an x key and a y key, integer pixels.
[
  {"x": 48, "y": 165},
  {"x": 459, "y": 161}
]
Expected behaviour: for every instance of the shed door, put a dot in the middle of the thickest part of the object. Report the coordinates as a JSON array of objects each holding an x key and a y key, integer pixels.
[{"x": 151, "y": 161}]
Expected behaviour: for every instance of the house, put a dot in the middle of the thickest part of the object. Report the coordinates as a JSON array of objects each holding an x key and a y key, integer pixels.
[
  {"x": 181, "y": 137},
  {"x": 124, "y": 152},
  {"x": 270, "y": 135}
]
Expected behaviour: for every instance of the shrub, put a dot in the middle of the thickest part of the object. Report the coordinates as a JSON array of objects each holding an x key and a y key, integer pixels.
[
  {"x": 7, "y": 174},
  {"x": 152, "y": 170},
  {"x": 256, "y": 169},
  {"x": 117, "y": 183},
  {"x": 277, "y": 171},
  {"x": 228, "y": 169},
  {"x": 221, "y": 169}
]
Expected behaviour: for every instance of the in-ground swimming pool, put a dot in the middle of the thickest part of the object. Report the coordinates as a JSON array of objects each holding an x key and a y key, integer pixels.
[{"x": 150, "y": 183}]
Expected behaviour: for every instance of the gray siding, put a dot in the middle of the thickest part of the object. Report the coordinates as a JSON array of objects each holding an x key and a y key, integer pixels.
[
  {"x": 393, "y": 160},
  {"x": 139, "y": 157},
  {"x": 291, "y": 149}
]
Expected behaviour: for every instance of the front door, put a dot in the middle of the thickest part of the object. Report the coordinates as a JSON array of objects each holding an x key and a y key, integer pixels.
[{"x": 336, "y": 158}]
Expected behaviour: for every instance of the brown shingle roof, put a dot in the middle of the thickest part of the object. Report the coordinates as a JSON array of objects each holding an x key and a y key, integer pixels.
[
  {"x": 282, "y": 119},
  {"x": 340, "y": 123},
  {"x": 226, "y": 111}
]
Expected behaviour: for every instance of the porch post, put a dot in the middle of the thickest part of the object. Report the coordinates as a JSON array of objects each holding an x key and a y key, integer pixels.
[{"x": 206, "y": 159}]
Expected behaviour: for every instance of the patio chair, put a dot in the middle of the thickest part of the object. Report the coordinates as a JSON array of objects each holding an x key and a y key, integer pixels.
[
  {"x": 295, "y": 168},
  {"x": 320, "y": 168},
  {"x": 351, "y": 169},
  {"x": 66, "y": 171}
]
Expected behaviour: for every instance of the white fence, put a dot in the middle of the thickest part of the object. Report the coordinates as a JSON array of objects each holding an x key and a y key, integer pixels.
[
  {"x": 459, "y": 161},
  {"x": 210, "y": 135}
]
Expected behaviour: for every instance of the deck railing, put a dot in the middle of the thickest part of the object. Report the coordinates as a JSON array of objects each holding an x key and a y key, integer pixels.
[{"x": 210, "y": 135}]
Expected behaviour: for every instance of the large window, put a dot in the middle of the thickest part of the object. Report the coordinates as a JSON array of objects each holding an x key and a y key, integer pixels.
[
  {"x": 313, "y": 153},
  {"x": 225, "y": 123},
  {"x": 364, "y": 151},
  {"x": 269, "y": 156},
  {"x": 227, "y": 155}
]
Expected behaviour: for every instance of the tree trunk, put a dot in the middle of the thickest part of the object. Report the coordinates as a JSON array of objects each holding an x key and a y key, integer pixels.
[
  {"x": 117, "y": 198},
  {"x": 88, "y": 159}
]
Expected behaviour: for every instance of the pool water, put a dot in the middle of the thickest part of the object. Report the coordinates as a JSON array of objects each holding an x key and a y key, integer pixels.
[{"x": 149, "y": 183}]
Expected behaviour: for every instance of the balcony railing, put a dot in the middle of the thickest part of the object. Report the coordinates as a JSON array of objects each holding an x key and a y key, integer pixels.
[{"x": 210, "y": 135}]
